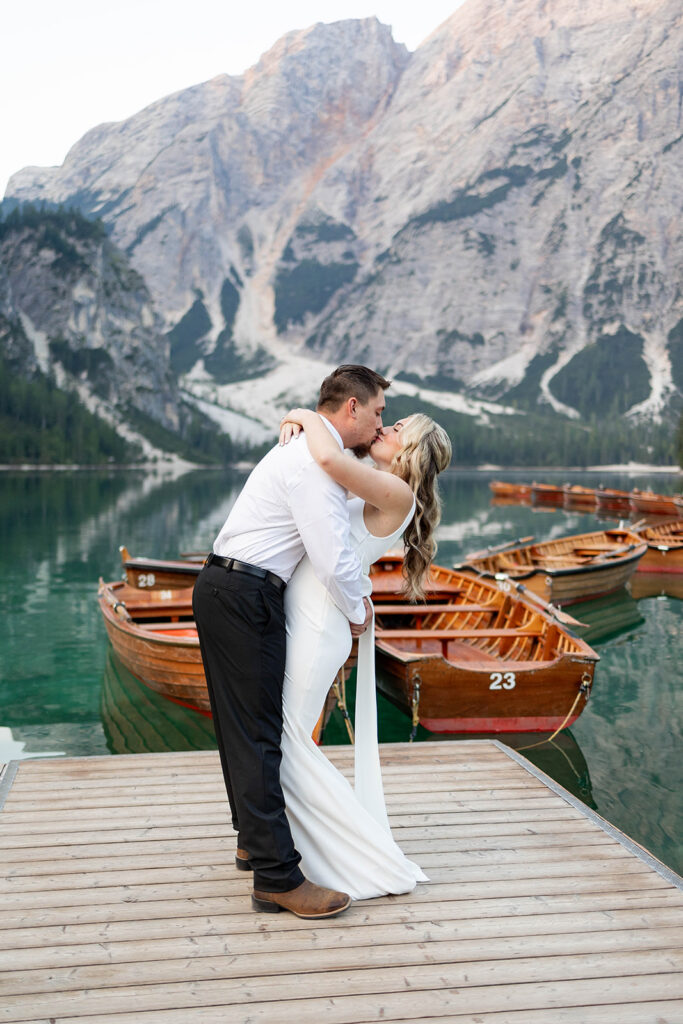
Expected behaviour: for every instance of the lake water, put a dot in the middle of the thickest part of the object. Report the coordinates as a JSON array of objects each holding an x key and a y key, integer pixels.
[{"x": 61, "y": 690}]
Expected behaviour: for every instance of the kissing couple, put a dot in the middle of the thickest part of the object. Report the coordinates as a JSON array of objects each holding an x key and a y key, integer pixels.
[{"x": 277, "y": 604}]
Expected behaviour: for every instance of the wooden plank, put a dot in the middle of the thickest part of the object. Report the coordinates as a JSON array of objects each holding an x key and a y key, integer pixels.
[
  {"x": 145, "y": 823},
  {"x": 230, "y": 963},
  {"x": 174, "y": 794},
  {"x": 396, "y": 1008},
  {"x": 553, "y": 865},
  {"x": 75, "y": 966},
  {"x": 556, "y": 998},
  {"x": 194, "y": 890},
  {"x": 445, "y": 857},
  {"x": 235, "y": 914},
  {"x": 558, "y": 818},
  {"x": 343, "y": 984},
  {"x": 445, "y": 839}
]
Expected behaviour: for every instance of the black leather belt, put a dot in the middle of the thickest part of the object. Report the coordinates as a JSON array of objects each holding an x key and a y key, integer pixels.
[{"x": 233, "y": 565}]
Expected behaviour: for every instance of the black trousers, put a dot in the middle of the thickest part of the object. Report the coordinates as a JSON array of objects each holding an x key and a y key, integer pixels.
[{"x": 241, "y": 625}]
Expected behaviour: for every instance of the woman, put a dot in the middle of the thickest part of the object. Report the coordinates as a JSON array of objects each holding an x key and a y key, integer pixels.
[{"x": 343, "y": 835}]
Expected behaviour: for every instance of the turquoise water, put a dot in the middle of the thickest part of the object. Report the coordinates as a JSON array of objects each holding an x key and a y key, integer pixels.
[{"x": 61, "y": 690}]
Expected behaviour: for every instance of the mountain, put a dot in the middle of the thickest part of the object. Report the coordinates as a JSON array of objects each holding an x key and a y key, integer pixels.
[
  {"x": 76, "y": 316},
  {"x": 494, "y": 219}
]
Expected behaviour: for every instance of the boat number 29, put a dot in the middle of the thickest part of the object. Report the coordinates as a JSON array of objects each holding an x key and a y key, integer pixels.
[{"x": 502, "y": 681}]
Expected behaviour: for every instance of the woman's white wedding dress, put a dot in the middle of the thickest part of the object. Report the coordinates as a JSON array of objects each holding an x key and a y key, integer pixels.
[{"x": 342, "y": 833}]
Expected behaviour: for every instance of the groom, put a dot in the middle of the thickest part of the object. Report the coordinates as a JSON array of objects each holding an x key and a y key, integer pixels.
[{"x": 288, "y": 507}]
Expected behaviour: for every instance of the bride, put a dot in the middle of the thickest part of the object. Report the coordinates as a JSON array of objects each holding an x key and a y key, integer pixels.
[{"x": 343, "y": 834}]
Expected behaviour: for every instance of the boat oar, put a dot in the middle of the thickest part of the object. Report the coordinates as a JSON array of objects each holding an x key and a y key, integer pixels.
[
  {"x": 496, "y": 548},
  {"x": 564, "y": 617}
]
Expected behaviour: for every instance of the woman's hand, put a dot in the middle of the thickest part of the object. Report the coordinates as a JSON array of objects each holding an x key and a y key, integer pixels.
[{"x": 292, "y": 423}]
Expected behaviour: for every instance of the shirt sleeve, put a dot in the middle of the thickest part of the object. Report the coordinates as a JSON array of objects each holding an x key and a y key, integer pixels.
[{"x": 318, "y": 506}]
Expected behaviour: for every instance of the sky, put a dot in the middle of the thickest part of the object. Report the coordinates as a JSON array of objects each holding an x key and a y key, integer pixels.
[{"x": 70, "y": 65}]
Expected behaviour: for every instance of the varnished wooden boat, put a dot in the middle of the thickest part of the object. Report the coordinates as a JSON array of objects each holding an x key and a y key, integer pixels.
[
  {"x": 153, "y": 634},
  {"x": 547, "y": 494},
  {"x": 503, "y": 490},
  {"x": 159, "y": 573},
  {"x": 610, "y": 500},
  {"x": 159, "y": 647},
  {"x": 567, "y": 569},
  {"x": 582, "y": 499},
  {"x": 664, "y": 546},
  {"x": 649, "y": 503},
  {"x": 509, "y": 666},
  {"x": 488, "y": 659}
]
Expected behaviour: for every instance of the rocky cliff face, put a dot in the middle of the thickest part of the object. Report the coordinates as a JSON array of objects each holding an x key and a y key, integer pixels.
[
  {"x": 73, "y": 307},
  {"x": 497, "y": 214}
]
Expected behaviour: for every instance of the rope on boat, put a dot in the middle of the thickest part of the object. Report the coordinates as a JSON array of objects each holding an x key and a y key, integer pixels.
[
  {"x": 415, "y": 705},
  {"x": 585, "y": 688},
  {"x": 340, "y": 694}
]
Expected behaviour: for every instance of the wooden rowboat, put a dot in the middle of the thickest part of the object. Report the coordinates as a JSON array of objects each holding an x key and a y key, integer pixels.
[
  {"x": 664, "y": 546},
  {"x": 489, "y": 659},
  {"x": 547, "y": 494},
  {"x": 567, "y": 569},
  {"x": 610, "y": 500},
  {"x": 582, "y": 499},
  {"x": 502, "y": 661},
  {"x": 649, "y": 503},
  {"x": 159, "y": 573},
  {"x": 157, "y": 642},
  {"x": 153, "y": 634},
  {"x": 503, "y": 490}
]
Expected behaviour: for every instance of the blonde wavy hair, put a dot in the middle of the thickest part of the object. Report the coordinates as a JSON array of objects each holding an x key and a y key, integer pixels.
[{"x": 426, "y": 452}]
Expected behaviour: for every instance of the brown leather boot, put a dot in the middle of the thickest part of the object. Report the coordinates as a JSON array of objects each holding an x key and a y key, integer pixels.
[
  {"x": 307, "y": 900},
  {"x": 242, "y": 860}
]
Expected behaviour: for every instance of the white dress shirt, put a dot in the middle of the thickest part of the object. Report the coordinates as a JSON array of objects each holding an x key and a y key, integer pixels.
[{"x": 290, "y": 507}]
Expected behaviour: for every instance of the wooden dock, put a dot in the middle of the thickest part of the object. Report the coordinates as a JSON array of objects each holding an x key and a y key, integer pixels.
[{"x": 121, "y": 905}]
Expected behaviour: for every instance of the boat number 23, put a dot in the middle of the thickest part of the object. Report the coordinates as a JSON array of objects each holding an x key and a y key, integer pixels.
[{"x": 502, "y": 681}]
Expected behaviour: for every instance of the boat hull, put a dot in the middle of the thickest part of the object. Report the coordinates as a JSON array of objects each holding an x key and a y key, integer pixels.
[
  {"x": 547, "y": 494},
  {"x": 563, "y": 587},
  {"x": 579, "y": 499},
  {"x": 167, "y": 660},
  {"x": 459, "y": 698},
  {"x": 568, "y": 569},
  {"x": 653, "y": 504}
]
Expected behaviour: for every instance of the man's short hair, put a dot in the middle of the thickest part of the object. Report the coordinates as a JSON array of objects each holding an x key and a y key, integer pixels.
[{"x": 350, "y": 381}]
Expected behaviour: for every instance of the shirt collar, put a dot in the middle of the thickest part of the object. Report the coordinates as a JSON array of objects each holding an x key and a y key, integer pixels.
[{"x": 333, "y": 430}]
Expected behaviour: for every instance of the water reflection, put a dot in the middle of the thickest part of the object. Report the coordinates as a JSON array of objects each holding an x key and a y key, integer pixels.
[
  {"x": 605, "y": 617},
  {"x": 137, "y": 720},
  {"x": 562, "y": 758}
]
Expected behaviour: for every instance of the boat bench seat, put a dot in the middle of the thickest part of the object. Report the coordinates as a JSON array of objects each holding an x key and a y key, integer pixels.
[
  {"x": 431, "y": 609},
  {"x": 456, "y": 634}
]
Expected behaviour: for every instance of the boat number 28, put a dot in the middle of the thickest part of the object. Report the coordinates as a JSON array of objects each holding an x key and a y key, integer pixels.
[{"x": 502, "y": 681}]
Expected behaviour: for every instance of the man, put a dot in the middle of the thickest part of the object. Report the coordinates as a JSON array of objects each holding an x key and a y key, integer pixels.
[{"x": 288, "y": 507}]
